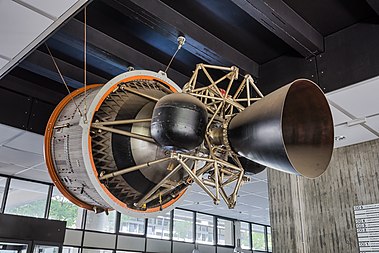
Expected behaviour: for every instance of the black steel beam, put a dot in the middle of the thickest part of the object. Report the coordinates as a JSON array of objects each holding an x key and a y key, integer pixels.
[
  {"x": 31, "y": 89},
  {"x": 199, "y": 41},
  {"x": 283, "y": 21},
  {"x": 106, "y": 45},
  {"x": 374, "y": 5},
  {"x": 41, "y": 63}
]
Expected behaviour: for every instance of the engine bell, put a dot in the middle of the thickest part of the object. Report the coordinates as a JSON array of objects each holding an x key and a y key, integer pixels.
[{"x": 179, "y": 121}]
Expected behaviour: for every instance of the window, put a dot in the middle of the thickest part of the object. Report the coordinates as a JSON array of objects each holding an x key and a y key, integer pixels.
[
  {"x": 225, "y": 232},
  {"x": 3, "y": 181},
  {"x": 258, "y": 235},
  {"x": 26, "y": 198},
  {"x": 101, "y": 221},
  {"x": 183, "y": 226},
  {"x": 159, "y": 227},
  {"x": 62, "y": 209},
  {"x": 204, "y": 229},
  {"x": 132, "y": 225},
  {"x": 70, "y": 250},
  {"x": 269, "y": 239},
  {"x": 97, "y": 251},
  {"x": 45, "y": 249},
  {"x": 245, "y": 235}
]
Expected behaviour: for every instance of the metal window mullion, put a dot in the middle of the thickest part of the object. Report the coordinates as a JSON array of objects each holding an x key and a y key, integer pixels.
[
  {"x": 171, "y": 230},
  {"x": 250, "y": 236},
  {"x": 266, "y": 238},
  {"x": 5, "y": 195},
  {"x": 117, "y": 228},
  {"x": 48, "y": 202},
  {"x": 194, "y": 226},
  {"x": 215, "y": 231}
]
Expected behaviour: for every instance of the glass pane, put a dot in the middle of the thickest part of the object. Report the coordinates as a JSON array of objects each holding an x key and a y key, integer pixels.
[
  {"x": 159, "y": 227},
  {"x": 8, "y": 247},
  {"x": 120, "y": 251},
  {"x": 3, "y": 181},
  {"x": 224, "y": 232},
  {"x": 26, "y": 198},
  {"x": 132, "y": 225},
  {"x": 183, "y": 226},
  {"x": 97, "y": 251},
  {"x": 101, "y": 221},
  {"x": 204, "y": 229},
  {"x": 62, "y": 209},
  {"x": 70, "y": 250},
  {"x": 245, "y": 235},
  {"x": 258, "y": 234},
  {"x": 269, "y": 241},
  {"x": 45, "y": 249}
]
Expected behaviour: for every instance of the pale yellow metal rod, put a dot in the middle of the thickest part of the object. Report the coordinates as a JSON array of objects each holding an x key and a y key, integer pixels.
[
  {"x": 131, "y": 90},
  {"x": 120, "y": 122},
  {"x": 197, "y": 180},
  {"x": 157, "y": 186},
  {"x": 218, "y": 67},
  {"x": 125, "y": 133},
  {"x": 133, "y": 168}
]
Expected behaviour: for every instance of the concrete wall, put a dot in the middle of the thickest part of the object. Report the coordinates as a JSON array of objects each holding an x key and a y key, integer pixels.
[{"x": 315, "y": 216}]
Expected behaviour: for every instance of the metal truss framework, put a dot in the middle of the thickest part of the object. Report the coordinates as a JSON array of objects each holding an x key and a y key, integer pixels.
[{"x": 214, "y": 166}]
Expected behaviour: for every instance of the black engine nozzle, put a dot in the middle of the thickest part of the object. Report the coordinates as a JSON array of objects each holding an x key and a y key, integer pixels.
[
  {"x": 179, "y": 122},
  {"x": 291, "y": 130}
]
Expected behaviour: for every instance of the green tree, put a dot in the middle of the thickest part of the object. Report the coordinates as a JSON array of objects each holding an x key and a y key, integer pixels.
[
  {"x": 62, "y": 209},
  {"x": 259, "y": 242}
]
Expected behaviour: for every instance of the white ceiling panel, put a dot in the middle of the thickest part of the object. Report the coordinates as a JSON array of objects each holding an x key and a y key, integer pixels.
[
  {"x": 373, "y": 122},
  {"x": 360, "y": 99},
  {"x": 3, "y": 62},
  {"x": 54, "y": 8},
  {"x": 338, "y": 116},
  {"x": 260, "y": 176},
  {"x": 19, "y": 26},
  {"x": 353, "y": 135},
  {"x": 11, "y": 169},
  {"x": 28, "y": 141},
  {"x": 8, "y": 133},
  {"x": 20, "y": 158},
  {"x": 35, "y": 175}
]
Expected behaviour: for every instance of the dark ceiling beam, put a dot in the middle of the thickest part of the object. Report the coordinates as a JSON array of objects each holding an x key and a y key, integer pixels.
[
  {"x": 284, "y": 22},
  {"x": 210, "y": 45},
  {"x": 112, "y": 47},
  {"x": 374, "y": 5},
  {"x": 42, "y": 64},
  {"x": 31, "y": 89}
]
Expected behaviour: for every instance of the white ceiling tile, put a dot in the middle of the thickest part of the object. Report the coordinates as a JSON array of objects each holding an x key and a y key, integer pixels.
[
  {"x": 360, "y": 99},
  {"x": 353, "y": 135},
  {"x": 338, "y": 116},
  {"x": 373, "y": 122},
  {"x": 35, "y": 175},
  {"x": 19, "y": 26},
  {"x": 20, "y": 158},
  {"x": 8, "y": 132},
  {"x": 28, "y": 141},
  {"x": 11, "y": 169},
  {"x": 3, "y": 62},
  {"x": 54, "y": 8},
  {"x": 260, "y": 176},
  {"x": 41, "y": 167}
]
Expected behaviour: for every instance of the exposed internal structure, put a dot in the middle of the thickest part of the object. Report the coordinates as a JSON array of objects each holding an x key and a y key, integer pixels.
[{"x": 135, "y": 144}]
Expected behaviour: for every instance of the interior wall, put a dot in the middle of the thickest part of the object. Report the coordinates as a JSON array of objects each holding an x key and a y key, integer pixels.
[{"x": 317, "y": 215}]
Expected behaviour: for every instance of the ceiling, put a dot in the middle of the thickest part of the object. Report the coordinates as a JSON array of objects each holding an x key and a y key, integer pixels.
[{"x": 275, "y": 41}]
